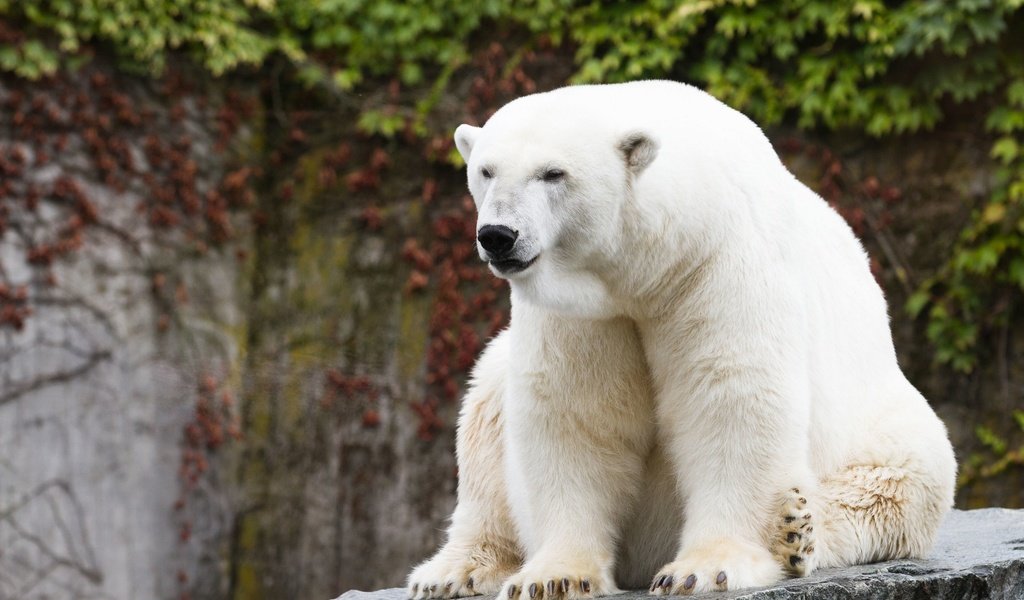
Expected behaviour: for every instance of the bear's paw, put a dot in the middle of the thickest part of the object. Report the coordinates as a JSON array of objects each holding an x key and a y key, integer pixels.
[
  {"x": 558, "y": 579},
  {"x": 717, "y": 565},
  {"x": 457, "y": 575}
]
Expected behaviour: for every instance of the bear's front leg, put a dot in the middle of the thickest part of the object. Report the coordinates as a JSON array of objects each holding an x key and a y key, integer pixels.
[
  {"x": 579, "y": 423},
  {"x": 736, "y": 432},
  {"x": 482, "y": 549}
]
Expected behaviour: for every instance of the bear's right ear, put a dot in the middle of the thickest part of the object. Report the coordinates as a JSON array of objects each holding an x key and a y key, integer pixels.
[
  {"x": 639, "y": 150},
  {"x": 465, "y": 137}
]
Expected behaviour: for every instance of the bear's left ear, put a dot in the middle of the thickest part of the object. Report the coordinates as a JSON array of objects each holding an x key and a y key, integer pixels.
[
  {"x": 638, "y": 150},
  {"x": 465, "y": 137}
]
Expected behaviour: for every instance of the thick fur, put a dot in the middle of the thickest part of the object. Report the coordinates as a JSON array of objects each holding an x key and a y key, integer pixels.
[
  {"x": 666, "y": 243},
  {"x": 553, "y": 439}
]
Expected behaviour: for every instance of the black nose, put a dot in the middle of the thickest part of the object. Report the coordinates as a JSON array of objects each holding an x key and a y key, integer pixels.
[{"x": 496, "y": 239}]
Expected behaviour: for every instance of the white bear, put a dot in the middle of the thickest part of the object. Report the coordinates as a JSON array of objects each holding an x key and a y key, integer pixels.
[{"x": 698, "y": 383}]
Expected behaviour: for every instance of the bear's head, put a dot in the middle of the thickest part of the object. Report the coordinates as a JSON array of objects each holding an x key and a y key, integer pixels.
[
  {"x": 550, "y": 200},
  {"x": 605, "y": 200}
]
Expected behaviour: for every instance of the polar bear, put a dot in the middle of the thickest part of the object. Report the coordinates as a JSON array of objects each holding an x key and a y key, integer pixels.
[{"x": 752, "y": 420}]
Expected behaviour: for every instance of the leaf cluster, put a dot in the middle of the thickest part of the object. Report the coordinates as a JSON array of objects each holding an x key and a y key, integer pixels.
[
  {"x": 997, "y": 456},
  {"x": 880, "y": 67}
]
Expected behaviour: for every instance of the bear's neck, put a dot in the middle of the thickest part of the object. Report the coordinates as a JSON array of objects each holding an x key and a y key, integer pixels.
[{"x": 659, "y": 268}]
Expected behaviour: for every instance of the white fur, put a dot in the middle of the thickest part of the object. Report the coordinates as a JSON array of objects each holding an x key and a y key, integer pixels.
[
  {"x": 677, "y": 246},
  {"x": 553, "y": 438}
]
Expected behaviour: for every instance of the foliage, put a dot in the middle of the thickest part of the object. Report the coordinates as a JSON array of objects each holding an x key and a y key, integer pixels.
[
  {"x": 1000, "y": 456},
  {"x": 986, "y": 269},
  {"x": 885, "y": 68},
  {"x": 372, "y": 38}
]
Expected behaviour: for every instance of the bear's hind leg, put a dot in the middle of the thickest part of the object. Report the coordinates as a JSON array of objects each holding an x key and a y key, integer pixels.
[
  {"x": 481, "y": 551},
  {"x": 885, "y": 504},
  {"x": 874, "y": 512}
]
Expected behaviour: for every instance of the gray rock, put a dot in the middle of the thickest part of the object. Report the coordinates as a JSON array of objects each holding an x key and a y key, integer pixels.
[{"x": 979, "y": 555}]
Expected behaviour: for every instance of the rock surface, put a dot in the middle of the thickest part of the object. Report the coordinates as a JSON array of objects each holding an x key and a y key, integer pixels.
[{"x": 979, "y": 555}]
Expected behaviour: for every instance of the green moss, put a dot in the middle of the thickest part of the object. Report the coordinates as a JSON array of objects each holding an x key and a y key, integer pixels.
[
  {"x": 310, "y": 166},
  {"x": 320, "y": 270},
  {"x": 256, "y": 141},
  {"x": 248, "y": 583},
  {"x": 413, "y": 334},
  {"x": 254, "y": 477}
]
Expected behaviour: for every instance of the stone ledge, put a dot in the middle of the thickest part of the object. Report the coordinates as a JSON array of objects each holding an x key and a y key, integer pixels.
[{"x": 979, "y": 555}]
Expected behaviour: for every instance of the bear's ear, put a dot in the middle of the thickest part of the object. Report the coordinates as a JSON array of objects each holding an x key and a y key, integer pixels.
[
  {"x": 465, "y": 137},
  {"x": 639, "y": 150}
]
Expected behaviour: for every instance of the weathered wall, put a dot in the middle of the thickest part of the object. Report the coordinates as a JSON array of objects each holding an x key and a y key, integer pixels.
[
  {"x": 231, "y": 356},
  {"x": 96, "y": 385},
  {"x": 335, "y": 360}
]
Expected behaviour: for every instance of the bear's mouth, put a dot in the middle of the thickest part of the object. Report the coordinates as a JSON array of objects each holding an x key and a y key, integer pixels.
[{"x": 511, "y": 266}]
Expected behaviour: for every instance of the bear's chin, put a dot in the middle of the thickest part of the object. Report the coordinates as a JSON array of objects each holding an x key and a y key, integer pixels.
[
  {"x": 510, "y": 267},
  {"x": 576, "y": 294}
]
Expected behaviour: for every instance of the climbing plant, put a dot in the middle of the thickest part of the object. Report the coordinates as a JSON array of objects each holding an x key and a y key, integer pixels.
[
  {"x": 996, "y": 457},
  {"x": 883, "y": 68}
]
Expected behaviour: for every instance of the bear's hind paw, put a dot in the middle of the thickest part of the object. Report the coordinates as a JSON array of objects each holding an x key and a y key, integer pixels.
[{"x": 795, "y": 539}]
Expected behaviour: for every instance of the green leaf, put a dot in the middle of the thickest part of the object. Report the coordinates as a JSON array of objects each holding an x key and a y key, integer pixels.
[
  {"x": 1005, "y": 150},
  {"x": 917, "y": 302},
  {"x": 990, "y": 439},
  {"x": 1016, "y": 272}
]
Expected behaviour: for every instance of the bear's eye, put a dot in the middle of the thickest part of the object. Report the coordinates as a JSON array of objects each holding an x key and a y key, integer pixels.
[
  {"x": 486, "y": 173},
  {"x": 553, "y": 175}
]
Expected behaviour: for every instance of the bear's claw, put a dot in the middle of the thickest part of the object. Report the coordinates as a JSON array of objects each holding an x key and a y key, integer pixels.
[{"x": 690, "y": 582}]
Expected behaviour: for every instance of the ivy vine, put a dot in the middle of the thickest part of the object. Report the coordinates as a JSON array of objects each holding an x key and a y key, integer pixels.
[{"x": 883, "y": 68}]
